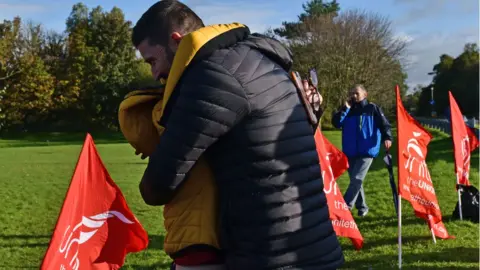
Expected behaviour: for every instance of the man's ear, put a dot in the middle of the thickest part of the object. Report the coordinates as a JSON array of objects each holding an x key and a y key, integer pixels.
[{"x": 177, "y": 37}]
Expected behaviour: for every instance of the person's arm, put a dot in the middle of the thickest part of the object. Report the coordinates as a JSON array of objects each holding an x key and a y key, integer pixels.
[
  {"x": 383, "y": 124},
  {"x": 339, "y": 116},
  {"x": 208, "y": 104},
  {"x": 315, "y": 99}
]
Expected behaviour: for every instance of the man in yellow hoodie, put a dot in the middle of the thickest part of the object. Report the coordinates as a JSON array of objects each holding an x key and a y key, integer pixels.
[
  {"x": 190, "y": 218},
  {"x": 229, "y": 104}
]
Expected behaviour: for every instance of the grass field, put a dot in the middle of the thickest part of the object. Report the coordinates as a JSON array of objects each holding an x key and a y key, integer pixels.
[{"x": 35, "y": 174}]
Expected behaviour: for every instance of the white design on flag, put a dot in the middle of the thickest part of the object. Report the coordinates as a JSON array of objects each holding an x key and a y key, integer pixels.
[
  {"x": 464, "y": 171},
  {"x": 416, "y": 158},
  {"x": 331, "y": 177},
  {"x": 93, "y": 222},
  {"x": 420, "y": 158}
]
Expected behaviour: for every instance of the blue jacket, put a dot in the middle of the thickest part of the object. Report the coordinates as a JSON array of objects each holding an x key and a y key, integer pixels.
[{"x": 364, "y": 127}]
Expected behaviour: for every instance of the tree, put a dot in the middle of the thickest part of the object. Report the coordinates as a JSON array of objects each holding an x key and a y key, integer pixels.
[
  {"x": 110, "y": 36},
  {"x": 143, "y": 76},
  {"x": 411, "y": 99},
  {"x": 348, "y": 48},
  {"x": 71, "y": 80},
  {"x": 458, "y": 75},
  {"x": 77, "y": 79},
  {"x": 53, "y": 52},
  {"x": 27, "y": 87},
  {"x": 101, "y": 62},
  {"x": 313, "y": 8},
  {"x": 11, "y": 47}
]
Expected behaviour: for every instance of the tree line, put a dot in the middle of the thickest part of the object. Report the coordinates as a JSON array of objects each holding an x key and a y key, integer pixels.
[
  {"x": 68, "y": 81},
  {"x": 458, "y": 75},
  {"x": 347, "y": 48},
  {"x": 75, "y": 80}
]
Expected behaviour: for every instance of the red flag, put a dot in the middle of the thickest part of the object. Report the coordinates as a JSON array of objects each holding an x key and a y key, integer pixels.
[
  {"x": 334, "y": 163},
  {"x": 414, "y": 182},
  {"x": 464, "y": 142},
  {"x": 95, "y": 229}
]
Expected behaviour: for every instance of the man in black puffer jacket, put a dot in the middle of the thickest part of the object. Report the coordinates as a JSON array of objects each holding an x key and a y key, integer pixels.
[{"x": 236, "y": 104}]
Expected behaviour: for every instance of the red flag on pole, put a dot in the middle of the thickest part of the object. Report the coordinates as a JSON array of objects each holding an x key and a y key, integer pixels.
[
  {"x": 334, "y": 163},
  {"x": 414, "y": 182},
  {"x": 95, "y": 229},
  {"x": 464, "y": 142}
]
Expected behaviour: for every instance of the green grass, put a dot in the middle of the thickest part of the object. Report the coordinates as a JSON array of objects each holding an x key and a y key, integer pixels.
[{"x": 35, "y": 175}]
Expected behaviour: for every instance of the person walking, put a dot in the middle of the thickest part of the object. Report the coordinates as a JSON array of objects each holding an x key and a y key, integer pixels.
[{"x": 364, "y": 128}]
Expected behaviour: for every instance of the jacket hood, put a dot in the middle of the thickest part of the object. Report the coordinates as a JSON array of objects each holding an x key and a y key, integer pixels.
[
  {"x": 198, "y": 45},
  {"x": 136, "y": 119},
  {"x": 271, "y": 48}
]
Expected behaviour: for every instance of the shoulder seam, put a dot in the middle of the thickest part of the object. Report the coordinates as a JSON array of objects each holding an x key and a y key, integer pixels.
[{"x": 233, "y": 76}]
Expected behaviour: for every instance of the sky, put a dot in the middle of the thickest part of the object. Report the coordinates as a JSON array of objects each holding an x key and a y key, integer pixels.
[{"x": 431, "y": 27}]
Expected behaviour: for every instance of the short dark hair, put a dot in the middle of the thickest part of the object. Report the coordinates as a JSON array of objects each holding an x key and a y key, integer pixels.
[
  {"x": 163, "y": 18},
  {"x": 359, "y": 86}
]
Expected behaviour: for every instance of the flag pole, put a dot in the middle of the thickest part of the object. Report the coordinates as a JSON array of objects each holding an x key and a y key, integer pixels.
[
  {"x": 460, "y": 212},
  {"x": 431, "y": 224},
  {"x": 399, "y": 232},
  {"x": 399, "y": 198},
  {"x": 433, "y": 236},
  {"x": 456, "y": 170}
]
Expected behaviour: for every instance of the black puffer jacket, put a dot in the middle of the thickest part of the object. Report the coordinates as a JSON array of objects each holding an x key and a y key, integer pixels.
[{"x": 236, "y": 104}]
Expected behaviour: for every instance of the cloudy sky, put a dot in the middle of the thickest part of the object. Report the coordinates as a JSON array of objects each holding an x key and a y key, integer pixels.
[{"x": 432, "y": 27}]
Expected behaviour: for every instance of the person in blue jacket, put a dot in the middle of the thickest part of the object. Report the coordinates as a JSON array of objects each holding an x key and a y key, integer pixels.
[{"x": 364, "y": 128}]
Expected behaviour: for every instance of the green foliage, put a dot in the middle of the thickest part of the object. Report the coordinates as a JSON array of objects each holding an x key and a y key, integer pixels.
[
  {"x": 11, "y": 48},
  {"x": 143, "y": 76},
  {"x": 313, "y": 8},
  {"x": 78, "y": 77},
  {"x": 81, "y": 75},
  {"x": 411, "y": 100},
  {"x": 458, "y": 75},
  {"x": 346, "y": 48},
  {"x": 29, "y": 96},
  {"x": 26, "y": 97},
  {"x": 102, "y": 59}
]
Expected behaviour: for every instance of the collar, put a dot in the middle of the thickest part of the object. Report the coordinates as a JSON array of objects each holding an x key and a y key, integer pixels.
[
  {"x": 361, "y": 104},
  {"x": 198, "y": 45}
]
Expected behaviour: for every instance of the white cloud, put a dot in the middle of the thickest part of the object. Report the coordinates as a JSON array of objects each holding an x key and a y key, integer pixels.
[
  {"x": 434, "y": 9},
  {"x": 436, "y": 27},
  {"x": 402, "y": 36}
]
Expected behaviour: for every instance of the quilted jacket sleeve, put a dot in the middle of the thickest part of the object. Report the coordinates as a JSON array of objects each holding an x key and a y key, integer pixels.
[{"x": 208, "y": 104}]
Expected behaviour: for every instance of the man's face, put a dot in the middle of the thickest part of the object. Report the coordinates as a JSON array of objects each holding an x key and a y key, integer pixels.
[
  {"x": 357, "y": 94},
  {"x": 159, "y": 58}
]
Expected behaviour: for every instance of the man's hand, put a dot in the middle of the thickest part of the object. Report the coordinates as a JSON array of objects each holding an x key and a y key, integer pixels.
[
  {"x": 312, "y": 95},
  {"x": 142, "y": 156},
  {"x": 388, "y": 144},
  {"x": 347, "y": 104},
  {"x": 153, "y": 197}
]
